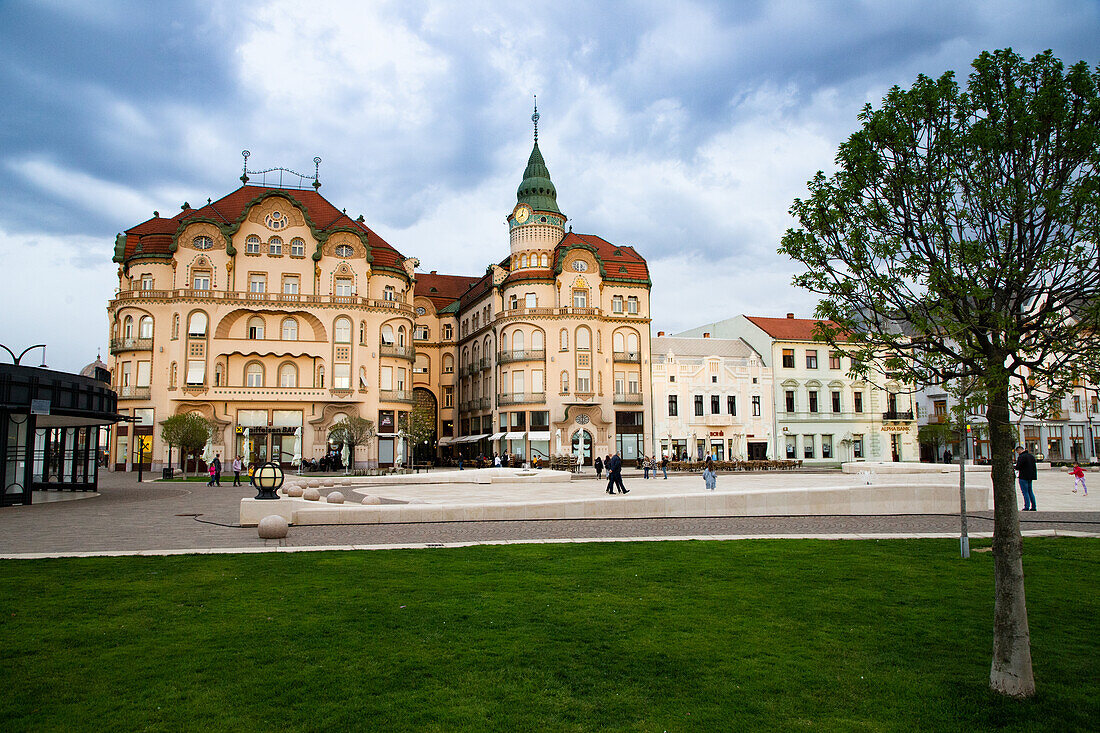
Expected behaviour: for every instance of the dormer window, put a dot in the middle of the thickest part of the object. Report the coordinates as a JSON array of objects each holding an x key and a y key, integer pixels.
[
  {"x": 344, "y": 250},
  {"x": 202, "y": 242}
]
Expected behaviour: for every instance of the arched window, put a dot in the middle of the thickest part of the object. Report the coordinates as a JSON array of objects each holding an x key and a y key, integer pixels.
[
  {"x": 400, "y": 335},
  {"x": 517, "y": 340},
  {"x": 565, "y": 382},
  {"x": 448, "y": 364},
  {"x": 128, "y": 327},
  {"x": 275, "y": 246},
  {"x": 536, "y": 341},
  {"x": 196, "y": 325},
  {"x": 362, "y": 377},
  {"x": 362, "y": 333},
  {"x": 176, "y": 326},
  {"x": 321, "y": 377},
  {"x": 584, "y": 339},
  {"x": 288, "y": 375},
  {"x": 563, "y": 336},
  {"x": 254, "y": 375},
  {"x": 544, "y": 261},
  {"x": 617, "y": 342},
  {"x": 475, "y": 350},
  {"x": 632, "y": 342},
  {"x": 219, "y": 374},
  {"x": 387, "y": 335},
  {"x": 422, "y": 365},
  {"x": 504, "y": 342},
  {"x": 523, "y": 261},
  {"x": 252, "y": 245},
  {"x": 290, "y": 329},
  {"x": 342, "y": 331},
  {"x": 172, "y": 376},
  {"x": 202, "y": 242},
  {"x": 145, "y": 327},
  {"x": 297, "y": 247},
  {"x": 255, "y": 328}
]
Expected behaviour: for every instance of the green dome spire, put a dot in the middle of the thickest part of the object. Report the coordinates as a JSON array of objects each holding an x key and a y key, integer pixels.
[{"x": 537, "y": 190}]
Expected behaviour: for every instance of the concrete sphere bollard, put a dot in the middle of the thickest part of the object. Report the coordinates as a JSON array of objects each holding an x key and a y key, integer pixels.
[
  {"x": 371, "y": 500},
  {"x": 313, "y": 484},
  {"x": 294, "y": 490},
  {"x": 335, "y": 498},
  {"x": 328, "y": 482},
  {"x": 311, "y": 494},
  {"x": 272, "y": 527}
]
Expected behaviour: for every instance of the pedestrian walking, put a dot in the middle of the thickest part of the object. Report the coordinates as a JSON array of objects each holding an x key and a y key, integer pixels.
[
  {"x": 1025, "y": 470},
  {"x": 210, "y": 470},
  {"x": 1078, "y": 474},
  {"x": 217, "y": 469},
  {"x": 710, "y": 480},
  {"x": 947, "y": 455},
  {"x": 615, "y": 475},
  {"x": 598, "y": 463},
  {"x": 237, "y": 471},
  {"x": 664, "y": 465},
  {"x": 645, "y": 466}
]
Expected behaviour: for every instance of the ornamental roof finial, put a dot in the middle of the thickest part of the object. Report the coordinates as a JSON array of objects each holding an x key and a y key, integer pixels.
[{"x": 535, "y": 119}]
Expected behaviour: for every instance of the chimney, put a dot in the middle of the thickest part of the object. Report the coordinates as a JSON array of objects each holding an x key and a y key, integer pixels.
[
  {"x": 790, "y": 315},
  {"x": 433, "y": 272},
  {"x": 660, "y": 333},
  {"x": 706, "y": 334}
]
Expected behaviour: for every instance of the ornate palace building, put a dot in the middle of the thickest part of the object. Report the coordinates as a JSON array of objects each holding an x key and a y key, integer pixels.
[{"x": 275, "y": 315}]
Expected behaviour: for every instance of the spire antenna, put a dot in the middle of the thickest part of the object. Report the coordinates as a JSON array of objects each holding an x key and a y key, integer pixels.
[{"x": 535, "y": 119}]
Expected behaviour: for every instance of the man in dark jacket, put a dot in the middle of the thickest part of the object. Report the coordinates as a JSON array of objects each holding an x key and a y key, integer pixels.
[
  {"x": 615, "y": 475},
  {"x": 1025, "y": 469},
  {"x": 217, "y": 469},
  {"x": 947, "y": 455}
]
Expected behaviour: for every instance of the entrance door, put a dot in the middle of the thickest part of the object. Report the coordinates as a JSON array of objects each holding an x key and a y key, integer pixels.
[
  {"x": 758, "y": 451},
  {"x": 582, "y": 446},
  {"x": 895, "y": 446}
]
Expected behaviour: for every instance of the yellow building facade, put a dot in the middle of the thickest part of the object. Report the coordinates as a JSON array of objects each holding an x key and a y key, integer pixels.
[{"x": 275, "y": 315}]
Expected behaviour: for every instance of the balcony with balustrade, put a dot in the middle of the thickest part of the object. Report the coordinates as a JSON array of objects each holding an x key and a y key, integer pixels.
[
  {"x": 274, "y": 299},
  {"x": 131, "y": 344},
  {"x": 521, "y": 398},
  {"x": 396, "y": 395},
  {"x": 398, "y": 351},
  {"x": 130, "y": 392},
  {"x": 897, "y": 415},
  {"x": 507, "y": 357},
  {"x": 629, "y": 357},
  {"x": 628, "y": 398}
]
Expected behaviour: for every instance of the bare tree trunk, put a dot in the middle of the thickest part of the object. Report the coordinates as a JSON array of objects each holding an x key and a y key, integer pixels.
[{"x": 1011, "y": 670}]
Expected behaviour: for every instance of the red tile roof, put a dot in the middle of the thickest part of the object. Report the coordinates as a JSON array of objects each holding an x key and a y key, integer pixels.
[
  {"x": 787, "y": 329},
  {"x": 619, "y": 261},
  {"x": 442, "y": 290},
  {"x": 228, "y": 209}
]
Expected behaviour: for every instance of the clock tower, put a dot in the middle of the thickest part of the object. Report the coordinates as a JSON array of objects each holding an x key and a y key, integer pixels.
[{"x": 536, "y": 225}]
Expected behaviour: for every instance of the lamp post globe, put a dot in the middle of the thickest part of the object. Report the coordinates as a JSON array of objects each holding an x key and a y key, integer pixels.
[{"x": 268, "y": 479}]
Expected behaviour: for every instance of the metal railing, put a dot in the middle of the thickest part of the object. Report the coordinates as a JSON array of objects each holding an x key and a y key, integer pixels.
[
  {"x": 133, "y": 393},
  {"x": 131, "y": 344},
  {"x": 628, "y": 399},
  {"x": 506, "y": 357},
  {"x": 897, "y": 415},
  {"x": 521, "y": 398},
  {"x": 401, "y": 352},
  {"x": 396, "y": 395},
  {"x": 628, "y": 356}
]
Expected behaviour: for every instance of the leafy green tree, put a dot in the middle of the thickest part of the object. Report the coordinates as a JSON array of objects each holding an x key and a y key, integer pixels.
[
  {"x": 958, "y": 240},
  {"x": 353, "y": 432},
  {"x": 188, "y": 431},
  {"x": 937, "y": 435},
  {"x": 421, "y": 425}
]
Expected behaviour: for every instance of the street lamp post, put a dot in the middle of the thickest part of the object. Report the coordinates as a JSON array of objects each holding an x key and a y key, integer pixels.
[
  {"x": 268, "y": 478},
  {"x": 15, "y": 359}
]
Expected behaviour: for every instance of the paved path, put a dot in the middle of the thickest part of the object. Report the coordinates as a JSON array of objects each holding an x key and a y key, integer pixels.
[{"x": 128, "y": 517}]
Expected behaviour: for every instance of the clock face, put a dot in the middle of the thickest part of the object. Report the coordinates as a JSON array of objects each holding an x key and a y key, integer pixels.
[
  {"x": 580, "y": 265},
  {"x": 521, "y": 213}
]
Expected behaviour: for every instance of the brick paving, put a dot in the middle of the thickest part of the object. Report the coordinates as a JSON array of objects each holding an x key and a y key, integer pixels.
[{"x": 129, "y": 517}]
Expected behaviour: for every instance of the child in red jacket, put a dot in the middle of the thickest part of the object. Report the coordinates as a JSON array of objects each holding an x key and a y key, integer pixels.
[{"x": 1078, "y": 474}]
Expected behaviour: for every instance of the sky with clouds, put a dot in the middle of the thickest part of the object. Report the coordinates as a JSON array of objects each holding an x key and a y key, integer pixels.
[{"x": 684, "y": 129}]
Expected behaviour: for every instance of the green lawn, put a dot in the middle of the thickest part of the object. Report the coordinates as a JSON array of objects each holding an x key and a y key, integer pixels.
[{"x": 653, "y": 636}]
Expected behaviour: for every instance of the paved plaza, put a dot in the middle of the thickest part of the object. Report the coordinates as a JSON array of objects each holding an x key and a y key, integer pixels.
[{"x": 128, "y": 517}]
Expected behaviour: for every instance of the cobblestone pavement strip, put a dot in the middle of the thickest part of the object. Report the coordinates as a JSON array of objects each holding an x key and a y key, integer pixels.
[{"x": 129, "y": 517}]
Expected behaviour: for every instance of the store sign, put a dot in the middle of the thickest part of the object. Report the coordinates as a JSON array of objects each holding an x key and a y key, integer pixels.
[
  {"x": 895, "y": 428},
  {"x": 40, "y": 407},
  {"x": 264, "y": 430},
  {"x": 716, "y": 433}
]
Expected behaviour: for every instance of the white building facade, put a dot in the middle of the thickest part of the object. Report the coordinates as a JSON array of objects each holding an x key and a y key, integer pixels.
[
  {"x": 711, "y": 397},
  {"x": 823, "y": 415}
]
